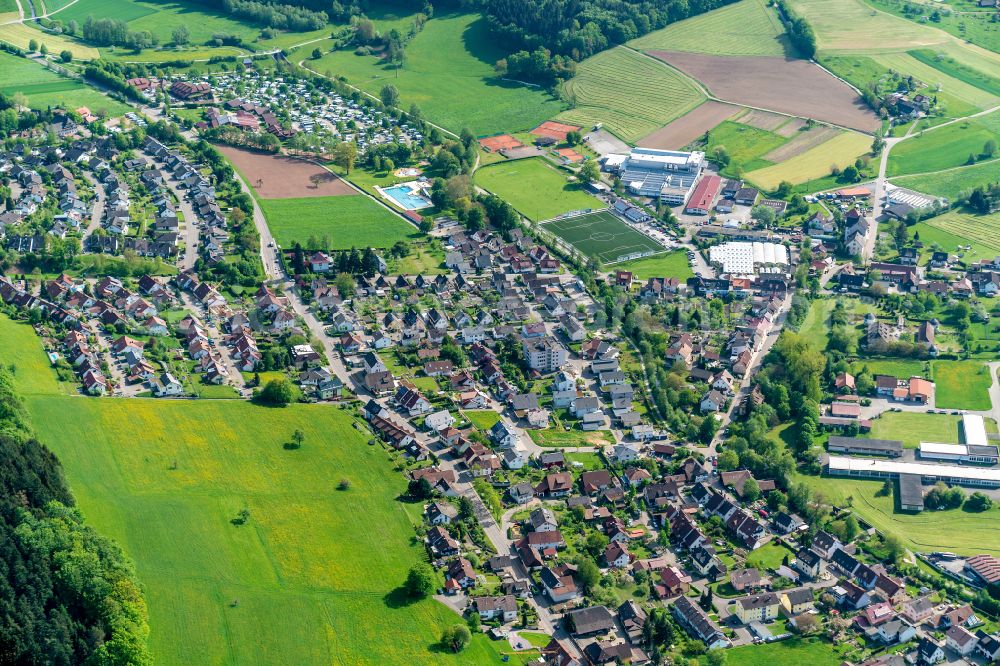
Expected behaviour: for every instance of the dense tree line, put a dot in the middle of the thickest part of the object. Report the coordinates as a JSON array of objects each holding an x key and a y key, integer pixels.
[
  {"x": 274, "y": 15},
  {"x": 67, "y": 594},
  {"x": 581, "y": 28},
  {"x": 103, "y": 73},
  {"x": 800, "y": 33},
  {"x": 985, "y": 198},
  {"x": 114, "y": 32}
]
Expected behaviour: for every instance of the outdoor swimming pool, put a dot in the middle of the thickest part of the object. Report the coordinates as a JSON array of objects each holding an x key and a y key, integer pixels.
[{"x": 406, "y": 196}]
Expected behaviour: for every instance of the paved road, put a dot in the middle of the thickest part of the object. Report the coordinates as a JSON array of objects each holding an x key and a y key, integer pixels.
[
  {"x": 221, "y": 351},
  {"x": 97, "y": 212}
]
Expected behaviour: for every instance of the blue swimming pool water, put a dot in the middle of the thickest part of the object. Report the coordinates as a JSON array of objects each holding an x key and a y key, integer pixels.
[{"x": 402, "y": 195}]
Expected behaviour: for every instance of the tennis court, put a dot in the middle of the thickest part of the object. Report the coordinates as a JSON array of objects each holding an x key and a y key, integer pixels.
[{"x": 605, "y": 236}]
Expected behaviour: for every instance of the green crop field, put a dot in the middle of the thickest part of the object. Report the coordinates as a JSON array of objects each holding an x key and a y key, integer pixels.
[
  {"x": 671, "y": 264},
  {"x": 449, "y": 75},
  {"x": 980, "y": 231},
  {"x": 815, "y": 163},
  {"x": 812, "y": 651},
  {"x": 955, "y": 531},
  {"x": 603, "y": 235},
  {"x": 746, "y": 28},
  {"x": 962, "y": 385},
  {"x": 935, "y": 238},
  {"x": 632, "y": 94},
  {"x": 8, "y": 7},
  {"x": 537, "y": 189},
  {"x": 958, "y": 70},
  {"x": 43, "y": 88},
  {"x": 745, "y": 144},
  {"x": 945, "y": 147},
  {"x": 347, "y": 221},
  {"x": 21, "y": 34},
  {"x": 954, "y": 182},
  {"x": 22, "y": 349}
]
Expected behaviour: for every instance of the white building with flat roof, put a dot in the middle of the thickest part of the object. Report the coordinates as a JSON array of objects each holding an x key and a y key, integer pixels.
[
  {"x": 974, "y": 429},
  {"x": 746, "y": 258},
  {"x": 870, "y": 468},
  {"x": 970, "y": 453},
  {"x": 651, "y": 172}
]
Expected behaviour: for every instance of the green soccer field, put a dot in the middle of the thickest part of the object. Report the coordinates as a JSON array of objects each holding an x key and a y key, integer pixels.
[
  {"x": 310, "y": 578},
  {"x": 603, "y": 235},
  {"x": 346, "y": 221}
]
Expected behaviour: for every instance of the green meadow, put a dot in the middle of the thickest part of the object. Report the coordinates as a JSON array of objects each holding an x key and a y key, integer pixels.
[
  {"x": 44, "y": 88},
  {"x": 671, "y": 264},
  {"x": 747, "y": 28},
  {"x": 944, "y": 148},
  {"x": 954, "y": 182},
  {"x": 311, "y": 577},
  {"x": 347, "y": 221},
  {"x": 449, "y": 74},
  {"x": 536, "y": 188}
]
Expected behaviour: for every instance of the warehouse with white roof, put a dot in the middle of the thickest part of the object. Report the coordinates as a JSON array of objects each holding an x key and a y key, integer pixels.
[
  {"x": 746, "y": 258},
  {"x": 871, "y": 468}
]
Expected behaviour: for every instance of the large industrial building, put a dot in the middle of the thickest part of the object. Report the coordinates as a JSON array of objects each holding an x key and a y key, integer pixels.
[
  {"x": 745, "y": 258},
  {"x": 870, "y": 468},
  {"x": 669, "y": 175}
]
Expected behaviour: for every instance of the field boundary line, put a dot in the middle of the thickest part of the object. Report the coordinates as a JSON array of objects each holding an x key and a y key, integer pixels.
[{"x": 712, "y": 97}]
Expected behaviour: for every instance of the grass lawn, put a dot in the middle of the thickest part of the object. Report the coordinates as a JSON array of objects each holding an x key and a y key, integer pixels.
[
  {"x": 814, "y": 163},
  {"x": 217, "y": 391},
  {"x": 589, "y": 461},
  {"x": 22, "y": 349},
  {"x": 955, "y": 531},
  {"x": 536, "y": 188},
  {"x": 670, "y": 264},
  {"x": 44, "y": 88},
  {"x": 310, "y": 578},
  {"x": 604, "y": 236},
  {"x": 630, "y": 93},
  {"x": 944, "y": 148},
  {"x": 347, "y": 221},
  {"x": 449, "y": 75},
  {"x": 768, "y": 556},
  {"x": 900, "y": 367},
  {"x": 934, "y": 237},
  {"x": 743, "y": 28},
  {"x": 537, "y": 639},
  {"x": 962, "y": 385},
  {"x": 484, "y": 419},
  {"x": 953, "y": 183},
  {"x": 571, "y": 438},
  {"x": 815, "y": 652},
  {"x": 911, "y": 428}
]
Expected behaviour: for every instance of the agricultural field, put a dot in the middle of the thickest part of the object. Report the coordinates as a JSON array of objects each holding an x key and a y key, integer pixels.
[
  {"x": 851, "y": 25},
  {"x": 21, "y": 34},
  {"x": 982, "y": 232},
  {"x": 537, "y": 189},
  {"x": 689, "y": 127},
  {"x": 786, "y": 85},
  {"x": 657, "y": 94},
  {"x": 944, "y": 147},
  {"x": 970, "y": 98},
  {"x": 346, "y": 221},
  {"x": 449, "y": 75},
  {"x": 23, "y": 350},
  {"x": 44, "y": 88},
  {"x": 309, "y": 576},
  {"x": 934, "y": 237},
  {"x": 815, "y": 163},
  {"x": 745, "y": 144},
  {"x": 280, "y": 177},
  {"x": 670, "y": 264},
  {"x": 953, "y": 66},
  {"x": 746, "y": 28},
  {"x": 955, "y": 531},
  {"x": 962, "y": 385},
  {"x": 976, "y": 27},
  {"x": 602, "y": 235},
  {"x": 952, "y": 183}
]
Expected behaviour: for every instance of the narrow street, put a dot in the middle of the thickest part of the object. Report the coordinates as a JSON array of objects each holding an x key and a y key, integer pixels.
[{"x": 235, "y": 376}]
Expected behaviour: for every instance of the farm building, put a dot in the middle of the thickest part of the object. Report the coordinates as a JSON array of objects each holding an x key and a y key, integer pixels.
[
  {"x": 967, "y": 453},
  {"x": 745, "y": 258},
  {"x": 929, "y": 473}
]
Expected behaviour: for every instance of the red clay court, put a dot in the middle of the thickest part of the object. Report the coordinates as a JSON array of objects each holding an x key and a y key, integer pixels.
[
  {"x": 570, "y": 155},
  {"x": 495, "y": 144},
  {"x": 554, "y": 130}
]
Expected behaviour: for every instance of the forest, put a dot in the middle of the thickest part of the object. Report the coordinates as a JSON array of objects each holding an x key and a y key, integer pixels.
[{"x": 67, "y": 594}]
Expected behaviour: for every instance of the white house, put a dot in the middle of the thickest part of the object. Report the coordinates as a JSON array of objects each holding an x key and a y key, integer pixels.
[
  {"x": 167, "y": 385},
  {"x": 439, "y": 420}
]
